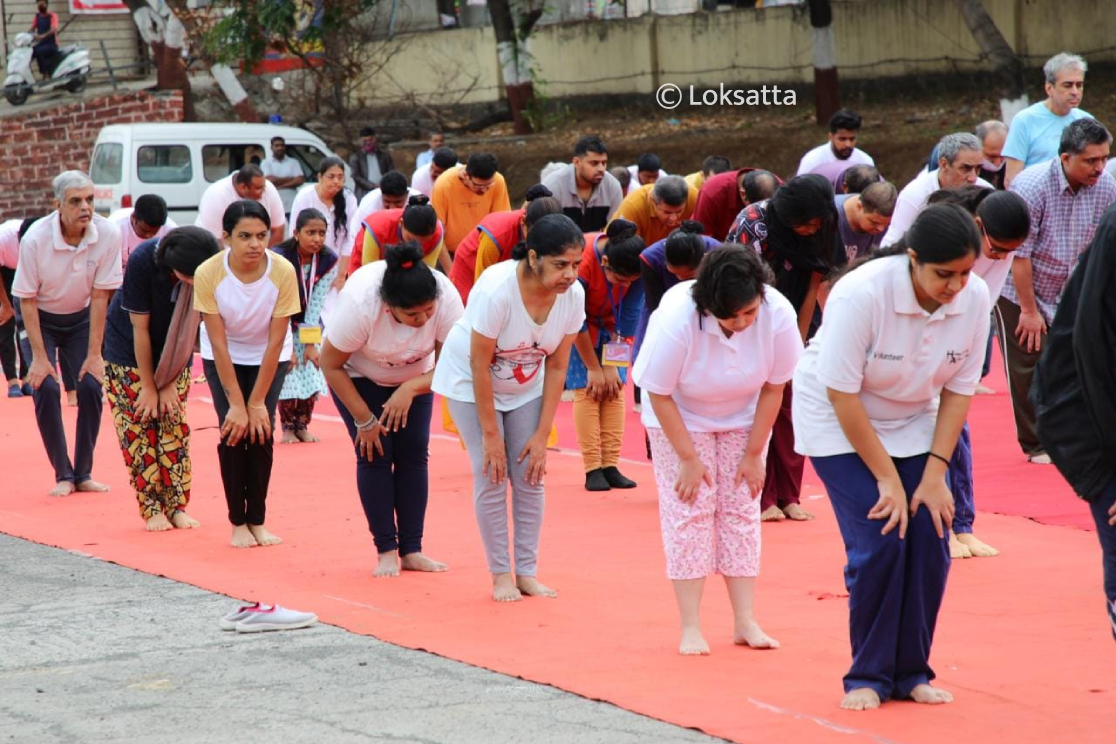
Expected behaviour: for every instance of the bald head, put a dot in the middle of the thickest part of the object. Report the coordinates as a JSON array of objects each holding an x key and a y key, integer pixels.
[{"x": 992, "y": 135}]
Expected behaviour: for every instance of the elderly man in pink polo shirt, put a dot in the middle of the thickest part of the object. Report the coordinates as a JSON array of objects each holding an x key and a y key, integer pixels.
[{"x": 69, "y": 266}]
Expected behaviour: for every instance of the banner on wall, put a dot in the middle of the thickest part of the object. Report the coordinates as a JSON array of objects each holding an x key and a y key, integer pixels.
[{"x": 97, "y": 6}]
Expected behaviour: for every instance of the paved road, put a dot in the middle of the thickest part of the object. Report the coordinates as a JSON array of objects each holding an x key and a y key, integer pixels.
[{"x": 91, "y": 652}]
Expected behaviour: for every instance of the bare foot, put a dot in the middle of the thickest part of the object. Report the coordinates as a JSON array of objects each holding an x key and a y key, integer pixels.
[
  {"x": 306, "y": 436},
  {"x": 92, "y": 486},
  {"x": 242, "y": 537},
  {"x": 773, "y": 514},
  {"x": 797, "y": 513},
  {"x": 419, "y": 562},
  {"x": 62, "y": 488},
  {"x": 184, "y": 521},
  {"x": 263, "y": 537},
  {"x": 504, "y": 588},
  {"x": 931, "y": 695},
  {"x": 531, "y": 587},
  {"x": 693, "y": 643},
  {"x": 289, "y": 437},
  {"x": 862, "y": 698},
  {"x": 159, "y": 523},
  {"x": 388, "y": 565},
  {"x": 977, "y": 547},
  {"x": 751, "y": 634},
  {"x": 71, "y": 398},
  {"x": 958, "y": 549}
]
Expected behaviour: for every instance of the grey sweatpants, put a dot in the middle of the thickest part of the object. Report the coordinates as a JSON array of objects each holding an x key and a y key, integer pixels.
[{"x": 490, "y": 499}]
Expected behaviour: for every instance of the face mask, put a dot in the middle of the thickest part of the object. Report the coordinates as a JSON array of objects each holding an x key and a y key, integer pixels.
[
  {"x": 369, "y": 146},
  {"x": 993, "y": 168}
]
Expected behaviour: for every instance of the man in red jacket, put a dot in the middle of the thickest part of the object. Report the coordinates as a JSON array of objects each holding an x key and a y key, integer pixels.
[{"x": 723, "y": 196}]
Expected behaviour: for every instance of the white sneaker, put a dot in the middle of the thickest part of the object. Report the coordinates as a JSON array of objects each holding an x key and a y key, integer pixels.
[
  {"x": 637, "y": 408},
  {"x": 274, "y": 617},
  {"x": 229, "y": 621}
]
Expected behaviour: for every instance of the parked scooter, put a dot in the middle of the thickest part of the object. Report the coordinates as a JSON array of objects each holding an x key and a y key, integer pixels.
[{"x": 68, "y": 68}]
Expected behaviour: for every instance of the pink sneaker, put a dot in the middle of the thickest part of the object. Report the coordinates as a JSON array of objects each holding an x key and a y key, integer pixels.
[{"x": 229, "y": 621}]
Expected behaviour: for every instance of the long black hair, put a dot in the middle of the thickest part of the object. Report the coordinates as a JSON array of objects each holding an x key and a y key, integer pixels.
[
  {"x": 794, "y": 257},
  {"x": 685, "y": 246},
  {"x": 340, "y": 218},
  {"x": 552, "y": 235},
  {"x": 408, "y": 282}
]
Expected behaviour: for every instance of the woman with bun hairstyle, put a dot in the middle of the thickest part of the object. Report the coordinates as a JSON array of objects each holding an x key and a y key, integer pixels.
[
  {"x": 880, "y": 398},
  {"x": 1004, "y": 222},
  {"x": 610, "y": 275},
  {"x": 496, "y": 236},
  {"x": 246, "y": 296},
  {"x": 148, "y": 348},
  {"x": 717, "y": 354},
  {"x": 317, "y": 267},
  {"x": 415, "y": 222},
  {"x": 378, "y": 356},
  {"x": 502, "y": 371}
]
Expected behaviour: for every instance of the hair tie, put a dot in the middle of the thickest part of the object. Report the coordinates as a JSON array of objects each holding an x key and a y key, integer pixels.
[{"x": 406, "y": 264}]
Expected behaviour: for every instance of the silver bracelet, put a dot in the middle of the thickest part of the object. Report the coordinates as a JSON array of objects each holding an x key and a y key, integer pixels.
[{"x": 367, "y": 425}]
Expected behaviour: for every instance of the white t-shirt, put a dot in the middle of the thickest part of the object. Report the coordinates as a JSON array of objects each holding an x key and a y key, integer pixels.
[
  {"x": 875, "y": 340},
  {"x": 9, "y": 243},
  {"x": 129, "y": 241},
  {"x": 634, "y": 183},
  {"x": 288, "y": 167},
  {"x": 912, "y": 199},
  {"x": 715, "y": 381},
  {"x": 62, "y": 277},
  {"x": 421, "y": 180},
  {"x": 221, "y": 194},
  {"x": 246, "y": 309},
  {"x": 518, "y": 365},
  {"x": 384, "y": 350},
  {"x": 823, "y": 154},
  {"x": 307, "y": 198},
  {"x": 372, "y": 202},
  {"x": 994, "y": 272}
]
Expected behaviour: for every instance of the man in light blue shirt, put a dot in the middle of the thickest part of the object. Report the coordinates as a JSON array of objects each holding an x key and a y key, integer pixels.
[
  {"x": 437, "y": 139},
  {"x": 1036, "y": 131}
]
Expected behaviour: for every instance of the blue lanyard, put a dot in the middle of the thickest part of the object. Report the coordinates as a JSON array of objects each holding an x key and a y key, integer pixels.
[{"x": 608, "y": 286}]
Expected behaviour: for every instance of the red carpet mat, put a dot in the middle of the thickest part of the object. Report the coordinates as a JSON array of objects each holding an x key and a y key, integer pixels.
[{"x": 1022, "y": 640}]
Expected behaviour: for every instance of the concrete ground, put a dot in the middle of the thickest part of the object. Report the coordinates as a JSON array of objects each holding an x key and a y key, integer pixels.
[{"x": 94, "y": 652}]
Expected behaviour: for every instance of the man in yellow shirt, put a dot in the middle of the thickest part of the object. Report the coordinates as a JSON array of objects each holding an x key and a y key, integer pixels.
[
  {"x": 658, "y": 208},
  {"x": 710, "y": 167},
  {"x": 465, "y": 195}
]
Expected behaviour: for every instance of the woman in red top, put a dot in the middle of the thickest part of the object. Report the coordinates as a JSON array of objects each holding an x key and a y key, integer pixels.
[
  {"x": 496, "y": 235},
  {"x": 610, "y": 275},
  {"x": 417, "y": 221}
]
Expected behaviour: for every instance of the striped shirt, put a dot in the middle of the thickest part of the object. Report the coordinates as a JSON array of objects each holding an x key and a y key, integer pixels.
[{"x": 1062, "y": 225}]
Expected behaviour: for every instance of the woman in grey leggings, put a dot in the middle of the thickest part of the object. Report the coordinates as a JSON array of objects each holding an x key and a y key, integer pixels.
[{"x": 501, "y": 370}]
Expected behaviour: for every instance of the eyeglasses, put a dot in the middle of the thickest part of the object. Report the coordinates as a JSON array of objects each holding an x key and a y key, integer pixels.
[
  {"x": 993, "y": 248},
  {"x": 479, "y": 187}
]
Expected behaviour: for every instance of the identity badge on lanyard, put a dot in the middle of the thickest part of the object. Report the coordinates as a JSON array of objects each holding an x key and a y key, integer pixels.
[
  {"x": 309, "y": 333},
  {"x": 616, "y": 353}
]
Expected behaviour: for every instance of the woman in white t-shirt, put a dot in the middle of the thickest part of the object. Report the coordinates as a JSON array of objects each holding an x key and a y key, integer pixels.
[
  {"x": 378, "y": 356},
  {"x": 716, "y": 356},
  {"x": 1004, "y": 222},
  {"x": 880, "y": 397},
  {"x": 502, "y": 371},
  {"x": 330, "y": 197},
  {"x": 246, "y": 296}
]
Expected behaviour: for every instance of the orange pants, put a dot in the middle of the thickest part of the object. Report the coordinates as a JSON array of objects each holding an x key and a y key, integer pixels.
[{"x": 600, "y": 429}]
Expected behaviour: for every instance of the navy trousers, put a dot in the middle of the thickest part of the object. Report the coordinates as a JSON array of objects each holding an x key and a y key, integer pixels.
[
  {"x": 394, "y": 486},
  {"x": 895, "y": 586},
  {"x": 66, "y": 337},
  {"x": 1107, "y": 535},
  {"x": 961, "y": 483}
]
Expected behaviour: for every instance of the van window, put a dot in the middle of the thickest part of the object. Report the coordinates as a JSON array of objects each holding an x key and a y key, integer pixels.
[
  {"x": 108, "y": 160},
  {"x": 219, "y": 161},
  {"x": 164, "y": 164},
  {"x": 309, "y": 157}
]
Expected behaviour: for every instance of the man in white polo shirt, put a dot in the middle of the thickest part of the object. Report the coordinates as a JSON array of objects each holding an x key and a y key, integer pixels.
[
  {"x": 424, "y": 176},
  {"x": 246, "y": 183},
  {"x": 147, "y": 220},
  {"x": 69, "y": 266},
  {"x": 960, "y": 158}
]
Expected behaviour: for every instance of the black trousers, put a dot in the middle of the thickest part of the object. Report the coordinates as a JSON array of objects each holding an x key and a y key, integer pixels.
[
  {"x": 9, "y": 333},
  {"x": 245, "y": 467}
]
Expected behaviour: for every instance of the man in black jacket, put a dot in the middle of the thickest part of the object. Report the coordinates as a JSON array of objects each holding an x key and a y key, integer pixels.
[
  {"x": 1074, "y": 391},
  {"x": 369, "y": 164}
]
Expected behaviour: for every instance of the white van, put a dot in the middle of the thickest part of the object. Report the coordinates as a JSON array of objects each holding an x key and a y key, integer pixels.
[{"x": 180, "y": 161}]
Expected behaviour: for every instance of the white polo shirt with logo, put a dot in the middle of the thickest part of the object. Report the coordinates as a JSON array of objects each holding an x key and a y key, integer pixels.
[
  {"x": 62, "y": 277},
  {"x": 876, "y": 341}
]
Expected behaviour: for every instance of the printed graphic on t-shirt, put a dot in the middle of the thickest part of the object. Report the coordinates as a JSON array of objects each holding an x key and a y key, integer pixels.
[
  {"x": 520, "y": 364},
  {"x": 403, "y": 357}
]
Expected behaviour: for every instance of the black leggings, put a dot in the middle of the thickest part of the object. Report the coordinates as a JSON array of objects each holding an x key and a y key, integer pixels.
[{"x": 246, "y": 467}]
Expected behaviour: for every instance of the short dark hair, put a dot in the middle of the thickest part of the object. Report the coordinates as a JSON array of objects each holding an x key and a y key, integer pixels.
[
  {"x": 729, "y": 278},
  {"x": 367, "y": 132},
  {"x": 759, "y": 185},
  {"x": 649, "y": 161},
  {"x": 186, "y": 248},
  {"x": 277, "y": 138},
  {"x": 248, "y": 173},
  {"x": 1082, "y": 133},
  {"x": 623, "y": 175},
  {"x": 552, "y": 235},
  {"x": 444, "y": 157},
  {"x": 393, "y": 183},
  {"x": 879, "y": 198},
  {"x": 407, "y": 282},
  {"x": 588, "y": 144},
  {"x": 244, "y": 209},
  {"x": 844, "y": 119},
  {"x": 715, "y": 164},
  {"x": 859, "y": 177},
  {"x": 151, "y": 210},
  {"x": 482, "y": 165}
]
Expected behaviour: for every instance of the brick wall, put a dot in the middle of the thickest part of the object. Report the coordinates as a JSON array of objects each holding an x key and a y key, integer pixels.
[{"x": 37, "y": 146}]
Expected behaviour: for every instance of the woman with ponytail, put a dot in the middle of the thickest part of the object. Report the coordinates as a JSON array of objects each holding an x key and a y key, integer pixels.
[
  {"x": 329, "y": 197},
  {"x": 496, "y": 236},
  {"x": 610, "y": 275},
  {"x": 673, "y": 259},
  {"x": 1004, "y": 222},
  {"x": 317, "y": 267},
  {"x": 417, "y": 222},
  {"x": 378, "y": 356},
  {"x": 880, "y": 398}
]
